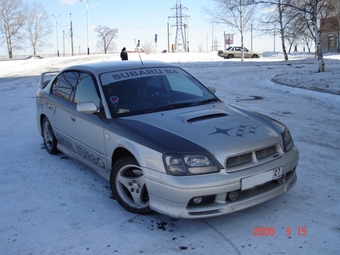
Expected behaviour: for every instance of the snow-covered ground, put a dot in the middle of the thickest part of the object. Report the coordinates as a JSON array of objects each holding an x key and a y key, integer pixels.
[{"x": 55, "y": 205}]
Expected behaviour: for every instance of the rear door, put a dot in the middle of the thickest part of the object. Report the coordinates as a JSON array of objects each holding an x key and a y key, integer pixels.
[
  {"x": 62, "y": 93},
  {"x": 247, "y": 54}
]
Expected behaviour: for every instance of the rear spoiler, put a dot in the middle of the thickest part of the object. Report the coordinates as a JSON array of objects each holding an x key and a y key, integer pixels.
[{"x": 43, "y": 80}]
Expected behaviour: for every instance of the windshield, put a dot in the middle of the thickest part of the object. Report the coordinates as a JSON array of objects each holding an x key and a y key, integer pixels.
[{"x": 152, "y": 89}]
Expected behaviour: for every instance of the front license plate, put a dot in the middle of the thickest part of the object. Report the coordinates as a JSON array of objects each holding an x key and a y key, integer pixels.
[
  {"x": 277, "y": 173},
  {"x": 259, "y": 179}
]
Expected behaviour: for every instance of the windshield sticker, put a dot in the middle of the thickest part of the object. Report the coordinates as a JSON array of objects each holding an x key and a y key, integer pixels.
[
  {"x": 114, "y": 99},
  {"x": 108, "y": 78}
]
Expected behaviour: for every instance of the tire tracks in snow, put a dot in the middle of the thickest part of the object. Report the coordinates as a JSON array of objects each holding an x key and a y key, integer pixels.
[{"x": 224, "y": 237}]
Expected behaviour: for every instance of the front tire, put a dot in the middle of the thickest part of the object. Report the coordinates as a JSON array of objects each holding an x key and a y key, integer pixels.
[
  {"x": 50, "y": 141},
  {"x": 128, "y": 185}
]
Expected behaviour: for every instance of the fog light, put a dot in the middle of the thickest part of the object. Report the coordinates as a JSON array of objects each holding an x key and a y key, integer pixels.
[
  {"x": 282, "y": 179},
  {"x": 232, "y": 195},
  {"x": 203, "y": 200},
  {"x": 197, "y": 200}
]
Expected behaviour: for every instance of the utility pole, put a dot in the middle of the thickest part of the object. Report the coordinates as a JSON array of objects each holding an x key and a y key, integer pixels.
[
  {"x": 71, "y": 35},
  {"x": 56, "y": 28},
  {"x": 224, "y": 40},
  {"x": 207, "y": 42},
  {"x": 251, "y": 37},
  {"x": 87, "y": 24},
  {"x": 180, "y": 43},
  {"x": 64, "y": 43},
  {"x": 212, "y": 38},
  {"x": 241, "y": 26},
  {"x": 168, "y": 35}
]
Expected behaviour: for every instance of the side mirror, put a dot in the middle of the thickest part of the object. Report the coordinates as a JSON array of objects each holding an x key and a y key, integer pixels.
[
  {"x": 212, "y": 89},
  {"x": 87, "y": 107}
]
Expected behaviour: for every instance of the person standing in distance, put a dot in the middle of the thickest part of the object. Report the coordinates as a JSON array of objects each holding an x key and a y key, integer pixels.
[{"x": 123, "y": 54}]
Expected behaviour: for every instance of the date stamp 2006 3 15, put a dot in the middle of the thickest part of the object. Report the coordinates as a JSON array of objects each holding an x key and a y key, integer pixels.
[{"x": 270, "y": 231}]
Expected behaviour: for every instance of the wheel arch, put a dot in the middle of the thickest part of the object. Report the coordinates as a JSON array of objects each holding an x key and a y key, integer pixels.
[
  {"x": 41, "y": 118},
  {"x": 50, "y": 140},
  {"x": 127, "y": 147},
  {"x": 126, "y": 150},
  {"x": 119, "y": 153}
]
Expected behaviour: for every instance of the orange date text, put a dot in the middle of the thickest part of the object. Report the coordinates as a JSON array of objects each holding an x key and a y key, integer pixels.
[{"x": 270, "y": 231}]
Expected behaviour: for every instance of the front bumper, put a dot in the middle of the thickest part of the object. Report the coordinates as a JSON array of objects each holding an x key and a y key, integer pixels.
[{"x": 170, "y": 195}]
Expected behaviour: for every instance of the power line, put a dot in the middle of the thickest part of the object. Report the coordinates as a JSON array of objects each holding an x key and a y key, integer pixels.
[{"x": 156, "y": 10}]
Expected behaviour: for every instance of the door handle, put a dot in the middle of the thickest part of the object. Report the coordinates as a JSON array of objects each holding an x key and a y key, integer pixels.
[{"x": 73, "y": 118}]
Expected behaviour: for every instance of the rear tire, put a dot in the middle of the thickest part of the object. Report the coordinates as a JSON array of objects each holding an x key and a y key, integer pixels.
[
  {"x": 254, "y": 56},
  {"x": 128, "y": 185},
  {"x": 50, "y": 141}
]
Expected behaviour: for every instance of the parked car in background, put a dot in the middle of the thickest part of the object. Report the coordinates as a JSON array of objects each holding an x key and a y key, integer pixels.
[
  {"x": 163, "y": 140},
  {"x": 236, "y": 52},
  {"x": 32, "y": 57}
]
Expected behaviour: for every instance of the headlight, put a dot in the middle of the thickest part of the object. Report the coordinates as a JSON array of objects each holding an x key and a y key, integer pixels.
[
  {"x": 178, "y": 164},
  {"x": 288, "y": 140}
]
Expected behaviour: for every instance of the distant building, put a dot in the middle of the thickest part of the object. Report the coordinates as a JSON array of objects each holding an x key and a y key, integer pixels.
[{"x": 330, "y": 34}]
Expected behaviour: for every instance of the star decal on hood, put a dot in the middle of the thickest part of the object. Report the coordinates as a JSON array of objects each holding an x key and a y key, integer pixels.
[
  {"x": 240, "y": 131},
  {"x": 222, "y": 131}
]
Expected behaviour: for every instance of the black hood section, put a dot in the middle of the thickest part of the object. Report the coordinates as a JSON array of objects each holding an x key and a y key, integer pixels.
[{"x": 158, "y": 139}]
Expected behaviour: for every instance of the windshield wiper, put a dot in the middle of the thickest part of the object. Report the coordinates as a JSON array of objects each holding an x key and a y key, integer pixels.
[
  {"x": 170, "y": 107},
  {"x": 181, "y": 105},
  {"x": 207, "y": 101},
  {"x": 175, "y": 106}
]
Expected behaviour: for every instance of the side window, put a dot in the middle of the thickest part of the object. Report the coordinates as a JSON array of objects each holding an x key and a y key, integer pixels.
[
  {"x": 64, "y": 85},
  {"x": 86, "y": 90}
]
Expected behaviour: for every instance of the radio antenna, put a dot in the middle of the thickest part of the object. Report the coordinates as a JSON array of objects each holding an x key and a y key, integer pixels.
[{"x": 137, "y": 47}]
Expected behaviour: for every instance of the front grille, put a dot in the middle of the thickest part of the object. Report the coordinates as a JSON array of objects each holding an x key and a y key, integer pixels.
[
  {"x": 267, "y": 152},
  {"x": 239, "y": 160},
  {"x": 252, "y": 158}
]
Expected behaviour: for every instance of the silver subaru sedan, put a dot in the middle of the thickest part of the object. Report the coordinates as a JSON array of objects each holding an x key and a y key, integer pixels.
[{"x": 163, "y": 140}]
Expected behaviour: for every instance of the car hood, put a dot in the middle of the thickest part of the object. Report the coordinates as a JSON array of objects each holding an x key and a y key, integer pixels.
[{"x": 217, "y": 129}]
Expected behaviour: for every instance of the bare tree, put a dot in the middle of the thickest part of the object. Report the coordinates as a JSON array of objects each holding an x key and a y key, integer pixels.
[
  {"x": 314, "y": 10},
  {"x": 278, "y": 19},
  {"x": 307, "y": 34},
  {"x": 307, "y": 38},
  {"x": 106, "y": 36},
  {"x": 37, "y": 26},
  {"x": 295, "y": 29},
  {"x": 200, "y": 46},
  {"x": 148, "y": 47},
  {"x": 235, "y": 13},
  {"x": 12, "y": 19}
]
